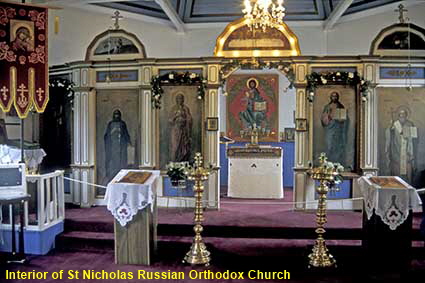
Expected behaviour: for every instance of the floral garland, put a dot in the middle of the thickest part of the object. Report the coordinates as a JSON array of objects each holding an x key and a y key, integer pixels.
[
  {"x": 175, "y": 78},
  {"x": 63, "y": 85},
  {"x": 233, "y": 65},
  {"x": 349, "y": 78}
]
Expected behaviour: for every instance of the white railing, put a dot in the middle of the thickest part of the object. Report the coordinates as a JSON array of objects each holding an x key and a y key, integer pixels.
[{"x": 50, "y": 204}]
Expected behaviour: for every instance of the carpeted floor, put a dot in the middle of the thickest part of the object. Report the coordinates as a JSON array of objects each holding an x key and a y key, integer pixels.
[{"x": 242, "y": 236}]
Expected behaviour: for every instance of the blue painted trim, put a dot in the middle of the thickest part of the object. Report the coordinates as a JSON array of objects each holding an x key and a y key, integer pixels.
[
  {"x": 344, "y": 192},
  {"x": 36, "y": 242},
  {"x": 170, "y": 191},
  {"x": 401, "y": 73},
  {"x": 118, "y": 76},
  {"x": 288, "y": 161}
]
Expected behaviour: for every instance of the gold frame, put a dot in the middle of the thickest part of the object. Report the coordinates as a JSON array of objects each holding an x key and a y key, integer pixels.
[
  {"x": 230, "y": 28},
  {"x": 285, "y": 136},
  {"x": 210, "y": 121},
  {"x": 299, "y": 127},
  {"x": 156, "y": 115},
  {"x": 358, "y": 130}
]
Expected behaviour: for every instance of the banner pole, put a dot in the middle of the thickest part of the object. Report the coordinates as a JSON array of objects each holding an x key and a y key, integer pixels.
[{"x": 22, "y": 141}]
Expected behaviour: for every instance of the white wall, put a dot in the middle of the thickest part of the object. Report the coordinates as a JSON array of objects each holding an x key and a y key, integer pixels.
[{"x": 79, "y": 27}]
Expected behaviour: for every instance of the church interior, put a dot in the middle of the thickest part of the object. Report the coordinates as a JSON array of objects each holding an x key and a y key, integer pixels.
[{"x": 212, "y": 140}]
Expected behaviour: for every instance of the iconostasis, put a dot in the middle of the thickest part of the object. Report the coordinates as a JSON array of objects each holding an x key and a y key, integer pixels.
[{"x": 344, "y": 106}]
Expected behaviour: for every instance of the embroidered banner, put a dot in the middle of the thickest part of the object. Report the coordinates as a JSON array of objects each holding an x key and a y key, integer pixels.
[{"x": 23, "y": 58}]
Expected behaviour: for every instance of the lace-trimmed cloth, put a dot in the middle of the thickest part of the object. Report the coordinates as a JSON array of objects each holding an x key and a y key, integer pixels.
[
  {"x": 124, "y": 200},
  {"x": 391, "y": 198},
  {"x": 33, "y": 157}
]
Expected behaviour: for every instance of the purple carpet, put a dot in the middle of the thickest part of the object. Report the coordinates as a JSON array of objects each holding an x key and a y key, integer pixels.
[{"x": 241, "y": 236}]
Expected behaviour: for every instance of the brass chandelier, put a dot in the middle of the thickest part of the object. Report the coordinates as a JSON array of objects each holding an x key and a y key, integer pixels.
[{"x": 264, "y": 13}]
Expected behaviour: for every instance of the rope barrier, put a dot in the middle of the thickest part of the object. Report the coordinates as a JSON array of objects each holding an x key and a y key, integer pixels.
[
  {"x": 87, "y": 183},
  {"x": 231, "y": 202}
]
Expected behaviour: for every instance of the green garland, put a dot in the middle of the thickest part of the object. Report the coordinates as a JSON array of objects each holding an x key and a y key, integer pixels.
[
  {"x": 176, "y": 78},
  {"x": 348, "y": 78},
  {"x": 284, "y": 67}
]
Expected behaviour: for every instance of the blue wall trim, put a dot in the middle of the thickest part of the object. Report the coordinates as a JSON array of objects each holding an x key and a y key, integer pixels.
[
  {"x": 36, "y": 242},
  {"x": 401, "y": 73},
  {"x": 169, "y": 191},
  {"x": 288, "y": 161},
  {"x": 343, "y": 193},
  {"x": 118, "y": 76}
]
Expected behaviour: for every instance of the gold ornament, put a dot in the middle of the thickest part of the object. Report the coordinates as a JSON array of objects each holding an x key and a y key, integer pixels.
[
  {"x": 198, "y": 253},
  {"x": 328, "y": 174}
]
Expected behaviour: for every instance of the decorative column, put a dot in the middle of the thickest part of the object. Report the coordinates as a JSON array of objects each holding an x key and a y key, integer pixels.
[
  {"x": 147, "y": 121},
  {"x": 212, "y": 138},
  {"x": 301, "y": 179},
  {"x": 369, "y": 128},
  {"x": 84, "y": 137},
  {"x": 369, "y": 160}
]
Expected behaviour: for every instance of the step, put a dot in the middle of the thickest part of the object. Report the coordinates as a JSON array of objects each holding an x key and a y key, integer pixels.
[
  {"x": 89, "y": 226},
  {"x": 85, "y": 241}
]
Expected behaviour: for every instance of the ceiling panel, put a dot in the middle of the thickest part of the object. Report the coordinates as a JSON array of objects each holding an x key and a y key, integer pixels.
[
  {"x": 225, "y": 10},
  {"x": 150, "y": 8},
  {"x": 359, "y": 5},
  {"x": 204, "y": 11}
]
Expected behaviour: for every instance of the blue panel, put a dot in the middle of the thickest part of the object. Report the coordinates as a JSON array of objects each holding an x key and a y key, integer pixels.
[
  {"x": 170, "y": 191},
  {"x": 10, "y": 177},
  {"x": 401, "y": 73},
  {"x": 118, "y": 76},
  {"x": 344, "y": 192},
  {"x": 288, "y": 161},
  {"x": 67, "y": 184},
  {"x": 36, "y": 242}
]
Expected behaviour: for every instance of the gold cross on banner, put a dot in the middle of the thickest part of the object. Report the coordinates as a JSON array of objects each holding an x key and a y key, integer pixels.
[
  {"x": 22, "y": 89},
  {"x": 401, "y": 11},
  {"x": 117, "y": 18},
  {"x": 39, "y": 93},
  {"x": 4, "y": 91},
  {"x": 22, "y": 100}
]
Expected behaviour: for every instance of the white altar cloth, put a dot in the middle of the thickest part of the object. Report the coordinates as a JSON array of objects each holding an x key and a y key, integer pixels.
[
  {"x": 391, "y": 202},
  {"x": 33, "y": 157},
  {"x": 255, "y": 176},
  {"x": 124, "y": 200}
]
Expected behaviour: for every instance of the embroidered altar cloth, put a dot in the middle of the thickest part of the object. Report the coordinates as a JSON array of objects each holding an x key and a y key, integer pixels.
[
  {"x": 125, "y": 199},
  {"x": 391, "y": 198}
]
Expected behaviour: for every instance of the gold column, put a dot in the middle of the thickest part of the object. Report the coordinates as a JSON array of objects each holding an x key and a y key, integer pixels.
[{"x": 198, "y": 253}]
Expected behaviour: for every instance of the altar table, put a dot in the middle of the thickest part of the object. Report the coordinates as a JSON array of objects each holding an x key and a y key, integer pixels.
[
  {"x": 255, "y": 172},
  {"x": 387, "y": 222},
  {"x": 131, "y": 198}
]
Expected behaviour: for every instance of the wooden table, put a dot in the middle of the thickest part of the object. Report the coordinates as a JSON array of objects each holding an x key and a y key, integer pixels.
[{"x": 134, "y": 227}]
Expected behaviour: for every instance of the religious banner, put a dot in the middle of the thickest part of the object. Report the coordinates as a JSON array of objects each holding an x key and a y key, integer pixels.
[
  {"x": 253, "y": 102},
  {"x": 23, "y": 58}
]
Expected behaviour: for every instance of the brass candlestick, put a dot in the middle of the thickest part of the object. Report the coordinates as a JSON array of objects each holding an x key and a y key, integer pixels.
[
  {"x": 198, "y": 253},
  {"x": 328, "y": 174}
]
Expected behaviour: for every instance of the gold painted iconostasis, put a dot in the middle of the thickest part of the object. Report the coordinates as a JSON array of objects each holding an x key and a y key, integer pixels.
[{"x": 347, "y": 99}]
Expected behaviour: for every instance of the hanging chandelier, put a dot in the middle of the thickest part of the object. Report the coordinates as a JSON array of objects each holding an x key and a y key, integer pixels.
[{"x": 263, "y": 13}]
